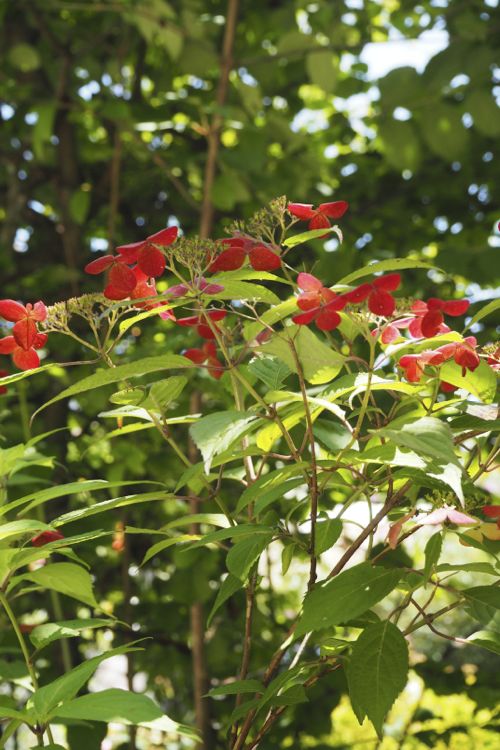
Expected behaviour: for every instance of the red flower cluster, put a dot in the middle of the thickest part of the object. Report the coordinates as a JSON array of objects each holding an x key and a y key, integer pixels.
[
  {"x": 45, "y": 537},
  {"x": 207, "y": 353},
  {"x": 318, "y": 218},
  {"x": 380, "y": 302},
  {"x": 259, "y": 254},
  {"x": 319, "y": 303},
  {"x": 463, "y": 352},
  {"x": 25, "y": 338},
  {"x": 429, "y": 320},
  {"x": 133, "y": 270}
]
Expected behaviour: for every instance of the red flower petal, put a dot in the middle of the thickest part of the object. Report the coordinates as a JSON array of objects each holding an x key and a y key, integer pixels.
[
  {"x": 380, "y": 302},
  {"x": 115, "y": 293},
  {"x": 39, "y": 312},
  {"x": 466, "y": 358},
  {"x": 309, "y": 300},
  {"x": 415, "y": 328},
  {"x": 434, "y": 303},
  {"x": 46, "y": 537},
  {"x": 40, "y": 340},
  {"x": 447, "y": 387},
  {"x": 195, "y": 355},
  {"x": 430, "y": 323},
  {"x": 7, "y": 345},
  {"x": 205, "y": 331},
  {"x": 210, "y": 349},
  {"x": 164, "y": 237},
  {"x": 192, "y": 320},
  {"x": 389, "y": 282},
  {"x": 305, "y": 318},
  {"x": 12, "y": 310},
  {"x": 456, "y": 307},
  {"x": 327, "y": 319},
  {"x": 389, "y": 334},
  {"x": 263, "y": 259},
  {"x": 215, "y": 368},
  {"x": 99, "y": 264},
  {"x": 151, "y": 261},
  {"x": 130, "y": 252},
  {"x": 25, "y": 359},
  {"x": 228, "y": 260},
  {"x": 334, "y": 210},
  {"x": 492, "y": 511},
  {"x": 301, "y": 210},
  {"x": 217, "y": 314},
  {"x": 359, "y": 294},
  {"x": 122, "y": 277},
  {"x": 25, "y": 333},
  {"x": 309, "y": 283},
  {"x": 319, "y": 221}
]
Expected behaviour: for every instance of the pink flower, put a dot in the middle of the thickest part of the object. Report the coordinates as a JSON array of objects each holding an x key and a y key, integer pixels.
[
  {"x": 447, "y": 514},
  {"x": 319, "y": 303}
]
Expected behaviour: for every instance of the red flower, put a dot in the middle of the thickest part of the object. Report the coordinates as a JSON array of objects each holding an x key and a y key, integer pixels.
[
  {"x": 429, "y": 319},
  {"x": 121, "y": 280},
  {"x": 45, "y": 537},
  {"x": 391, "y": 331},
  {"x": 201, "y": 323},
  {"x": 25, "y": 319},
  {"x": 380, "y": 302},
  {"x": 207, "y": 353},
  {"x": 494, "y": 360},
  {"x": 463, "y": 352},
  {"x": 319, "y": 303},
  {"x": 260, "y": 256},
  {"x": 146, "y": 254},
  {"x": 3, "y": 388},
  {"x": 319, "y": 218},
  {"x": 413, "y": 365},
  {"x": 25, "y": 359}
]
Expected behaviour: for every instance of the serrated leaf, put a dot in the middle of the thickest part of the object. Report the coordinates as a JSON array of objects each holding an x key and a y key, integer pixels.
[
  {"x": 427, "y": 436},
  {"x": 164, "y": 392},
  {"x": 270, "y": 370},
  {"x": 482, "y": 383},
  {"x": 488, "y": 595},
  {"x": 346, "y": 596},
  {"x": 216, "y": 432},
  {"x": 122, "y": 372},
  {"x": 245, "y": 553},
  {"x": 319, "y": 362},
  {"x": 110, "y": 706},
  {"x": 44, "y": 634},
  {"x": 432, "y": 553},
  {"x": 487, "y": 639},
  {"x": 377, "y": 671},
  {"x": 65, "y": 578},
  {"x": 327, "y": 533}
]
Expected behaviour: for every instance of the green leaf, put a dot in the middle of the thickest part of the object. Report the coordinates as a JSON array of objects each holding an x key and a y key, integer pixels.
[
  {"x": 487, "y": 639},
  {"x": 274, "y": 480},
  {"x": 245, "y": 552},
  {"x": 19, "y": 528},
  {"x": 443, "y": 131},
  {"x": 401, "y": 144},
  {"x": 116, "y": 502},
  {"x": 62, "y": 490},
  {"x": 432, "y": 553},
  {"x": 312, "y": 234},
  {"x": 236, "y": 290},
  {"x": 48, "y": 697},
  {"x": 395, "y": 264},
  {"x": 164, "y": 392},
  {"x": 287, "y": 556},
  {"x": 327, "y": 533},
  {"x": 165, "y": 544},
  {"x": 44, "y": 634},
  {"x": 65, "y": 578},
  {"x": 229, "y": 586},
  {"x": 484, "y": 110},
  {"x": 122, "y": 372},
  {"x": 346, "y": 596},
  {"x": 482, "y": 383},
  {"x": 488, "y": 595},
  {"x": 216, "y": 432},
  {"x": 322, "y": 69},
  {"x": 111, "y": 705},
  {"x": 377, "y": 671},
  {"x": 427, "y": 436},
  {"x": 24, "y": 57},
  {"x": 132, "y": 396},
  {"x": 319, "y": 362},
  {"x": 270, "y": 370},
  {"x": 237, "y": 687},
  {"x": 491, "y": 307}
]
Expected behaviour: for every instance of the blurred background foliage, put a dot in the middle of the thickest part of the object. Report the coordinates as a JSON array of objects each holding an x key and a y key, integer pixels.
[{"x": 106, "y": 106}]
